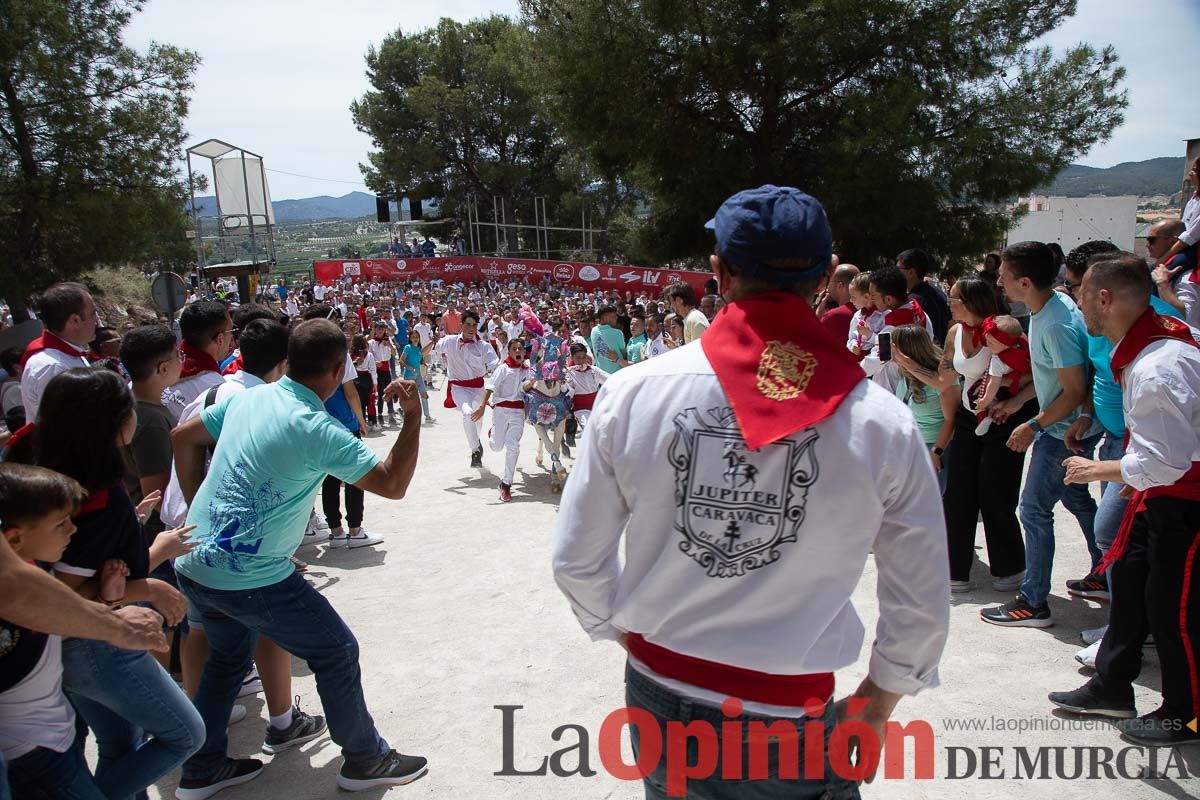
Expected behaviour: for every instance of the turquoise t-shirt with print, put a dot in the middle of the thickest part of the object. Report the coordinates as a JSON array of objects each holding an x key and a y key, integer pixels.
[
  {"x": 608, "y": 345},
  {"x": 275, "y": 445}
]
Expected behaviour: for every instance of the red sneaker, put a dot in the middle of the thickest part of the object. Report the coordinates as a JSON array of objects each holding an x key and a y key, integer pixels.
[{"x": 505, "y": 493}]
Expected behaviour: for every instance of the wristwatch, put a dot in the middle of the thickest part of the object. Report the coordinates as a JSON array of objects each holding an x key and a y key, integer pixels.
[
  {"x": 1036, "y": 426},
  {"x": 938, "y": 451}
]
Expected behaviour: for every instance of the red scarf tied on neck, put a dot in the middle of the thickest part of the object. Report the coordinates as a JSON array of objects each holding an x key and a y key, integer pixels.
[
  {"x": 49, "y": 341},
  {"x": 779, "y": 368},
  {"x": 908, "y": 314},
  {"x": 195, "y": 362},
  {"x": 510, "y": 361},
  {"x": 1149, "y": 327},
  {"x": 1016, "y": 357},
  {"x": 977, "y": 333}
]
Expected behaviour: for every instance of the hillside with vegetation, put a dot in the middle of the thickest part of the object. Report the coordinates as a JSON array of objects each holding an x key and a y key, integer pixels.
[{"x": 1143, "y": 178}]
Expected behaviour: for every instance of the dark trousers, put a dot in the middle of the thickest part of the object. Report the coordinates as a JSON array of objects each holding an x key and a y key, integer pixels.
[
  {"x": 331, "y": 501},
  {"x": 385, "y": 378},
  {"x": 363, "y": 385},
  {"x": 984, "y": 478},
  {"x": 1156, "y": 589}
]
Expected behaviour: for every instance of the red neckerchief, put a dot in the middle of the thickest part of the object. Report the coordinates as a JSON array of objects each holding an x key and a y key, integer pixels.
[
  {"x": 49, "y": 341},
  {"x": 976, "y": 332},
  {"x": 779, "y": 368},
  {"x": 95, "y": 501},
  {"x": 1149, "y": 327},
  {"x": 514, "y": 364},
  {"x": 868, "y": 312},
  {"x": 235, "y": 366},
  {"x": 907, "y": 314},
  {"x": 196, "y": 362},
  {"x": 463, "y": 341}
]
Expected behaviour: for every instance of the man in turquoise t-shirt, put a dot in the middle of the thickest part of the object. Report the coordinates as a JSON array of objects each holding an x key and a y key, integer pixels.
[
  {"x": 608, "y": 343},
  {"x": 274, "y": 446},
  {"x": 637, "y": 338},
  {"x": 1059, "y": 351}
]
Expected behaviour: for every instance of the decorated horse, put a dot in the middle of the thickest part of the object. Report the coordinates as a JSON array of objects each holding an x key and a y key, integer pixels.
[{"x": 547, "y": 404}]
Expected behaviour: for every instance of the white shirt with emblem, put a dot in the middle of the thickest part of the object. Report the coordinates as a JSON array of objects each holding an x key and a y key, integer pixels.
[{"x": 750, "y": 558}]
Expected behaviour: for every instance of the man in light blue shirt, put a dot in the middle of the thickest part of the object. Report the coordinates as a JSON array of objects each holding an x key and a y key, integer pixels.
[
  {"x": 608, "y": 343},
  {"x": 1059, "y": 351},
  {"x": 274, "y": 445}
]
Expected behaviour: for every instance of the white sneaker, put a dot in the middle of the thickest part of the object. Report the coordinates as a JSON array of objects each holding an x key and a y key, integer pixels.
[
  {"x": 1087, "y": 656},
  {"x": 958, "y": 587},
  {"x": 237, "y": 714},
  {"x": 363, "y": 538},
  {"x": 1010, "y": 583},
  {"x": 1093, "y": 635},
  {"x": 252, "y": 683},
  {"x": 317, "y": 528},
  {"x": 984, "y": 426},
  {"x": 336, "y": 540}
]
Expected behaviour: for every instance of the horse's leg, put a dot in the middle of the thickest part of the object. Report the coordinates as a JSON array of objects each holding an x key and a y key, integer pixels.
[{"x": 540, "y": 439}]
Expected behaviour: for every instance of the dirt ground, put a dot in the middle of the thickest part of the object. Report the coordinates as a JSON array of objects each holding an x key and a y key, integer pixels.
[{"x": 457, "y": 613}]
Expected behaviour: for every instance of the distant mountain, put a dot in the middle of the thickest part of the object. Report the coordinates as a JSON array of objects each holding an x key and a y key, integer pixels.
[
  {"x": 348, "y": 206},
  {"x": 1155, "y": 176}
]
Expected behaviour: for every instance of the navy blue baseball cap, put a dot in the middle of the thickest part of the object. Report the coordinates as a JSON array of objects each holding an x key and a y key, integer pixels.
[{"x": 773, "y": 222}]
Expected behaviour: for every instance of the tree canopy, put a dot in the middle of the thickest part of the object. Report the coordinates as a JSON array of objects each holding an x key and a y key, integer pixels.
[
  {"x": 90, "y": 136},
  {"x": 454, "y": 110},
  {"x": 912, "y": 120}
]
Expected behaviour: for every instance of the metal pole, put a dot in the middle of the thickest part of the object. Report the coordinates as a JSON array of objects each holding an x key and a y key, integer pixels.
[
  {"x": 496, "y": 219},
  {"x": 244, "y": 287}
]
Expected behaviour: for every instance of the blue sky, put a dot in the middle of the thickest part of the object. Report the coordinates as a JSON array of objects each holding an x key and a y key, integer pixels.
[{"x": 278, "y": 77}]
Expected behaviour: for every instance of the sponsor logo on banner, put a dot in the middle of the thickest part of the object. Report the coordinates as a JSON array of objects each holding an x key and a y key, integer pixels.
[
  {"x": 589, "y": 273},
  {"x": 675, "y": 277},
  {"x": 563, "y": 272},
  {"x": 517, "y": 269},
  {"x": 401, "y": 265},
  {"x": 351, "y": 268},
  {"x": 450, "y": 266},
  {"x": 651, "y": 276}
]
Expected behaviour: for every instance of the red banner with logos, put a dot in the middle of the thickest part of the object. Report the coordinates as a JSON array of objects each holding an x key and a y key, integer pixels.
[{"x": 479, "y": 268}]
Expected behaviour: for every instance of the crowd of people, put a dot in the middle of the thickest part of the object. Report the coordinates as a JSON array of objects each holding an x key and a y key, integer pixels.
[{"x": 177, "y": 470}]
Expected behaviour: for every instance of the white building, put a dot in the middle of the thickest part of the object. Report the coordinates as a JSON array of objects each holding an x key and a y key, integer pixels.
[{"x": 1071, "y": 221}]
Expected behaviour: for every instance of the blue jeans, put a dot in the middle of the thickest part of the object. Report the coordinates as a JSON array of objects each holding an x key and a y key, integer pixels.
[
  {"x": 665, "y": 706},
  {"x": 145, "y": 726},
  {"x": 297, "y": 618},
  {"x": 1112, "y": 506},
  {"x": 43, "y": 774},
  {"x": 1044, "y": 488}
]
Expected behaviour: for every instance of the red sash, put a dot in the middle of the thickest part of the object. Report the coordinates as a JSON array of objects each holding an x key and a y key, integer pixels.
[
  {"x": 511, "y": 404},
  {"x": 583, "y": 402},
  {"x": 196, "y": 362},
  {"x": 49, "y": 341},
  {"x": 473, "y": 383},
  {"x": 907, "y": 314},
  {"x": 1149, "y": 327},
  {"x": 745, "y": 684},
  {"x": 779, "y": 368}
]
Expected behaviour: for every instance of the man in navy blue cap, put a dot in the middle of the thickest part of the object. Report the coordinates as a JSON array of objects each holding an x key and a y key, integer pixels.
[{"x": 722, "y": 465}]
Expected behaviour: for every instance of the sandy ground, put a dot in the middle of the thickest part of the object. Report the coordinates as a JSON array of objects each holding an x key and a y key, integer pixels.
[{"x": 457, "y": 613}]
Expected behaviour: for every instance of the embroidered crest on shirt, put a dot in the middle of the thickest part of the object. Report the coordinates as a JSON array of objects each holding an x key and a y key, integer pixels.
[
  {"x": 784, "y": 370},
  {"x": 735, "y": 507}
]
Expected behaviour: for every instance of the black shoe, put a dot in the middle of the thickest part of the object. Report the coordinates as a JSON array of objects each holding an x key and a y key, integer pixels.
[
  {"x": 477, "y": 457},
  {"x": 1158, "y": 730},
  {"x": 1093, "y": 587},
  {"x": 394, "y": 769},
  {"x": 1088, "y": 699},
  {"x": 232, "y": 773},
  {"x": 1018, "y": 614},
  {"x": 304, "y": 728}
]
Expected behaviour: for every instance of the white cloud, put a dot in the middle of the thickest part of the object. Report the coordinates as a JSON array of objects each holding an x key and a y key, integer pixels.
[{"x": 278, "y": 77}]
